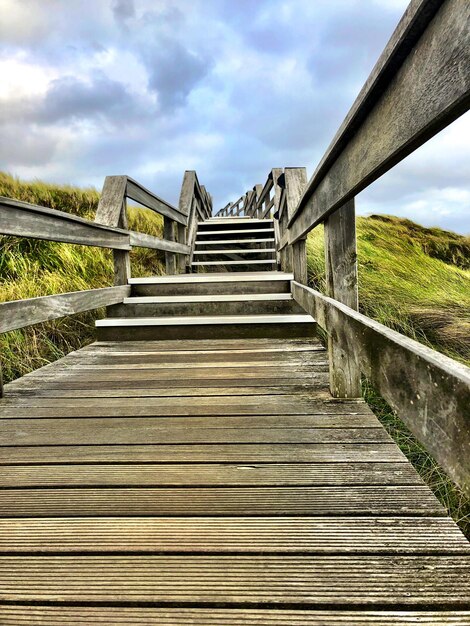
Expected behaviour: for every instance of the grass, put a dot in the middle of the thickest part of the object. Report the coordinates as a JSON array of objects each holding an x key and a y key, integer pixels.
[
  {"x": 31, "y": 268},
  {"x": 415, "y": 280}
]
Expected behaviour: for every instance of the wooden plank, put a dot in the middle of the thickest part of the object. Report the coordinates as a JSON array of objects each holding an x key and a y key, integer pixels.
[
  {"x": 208, "y": 475},
  {"x": 19, "y": 615},
  {"x": 135, "y": 407},
  {"x": 313, "y": 581},
  {"x": 419, "y": 85},
  {"x": 136, "y": 191},
  {"x": 341, "y": 284},
  {"x": 21, "y": 313},
  {"x": 170, "y": 235},
  {"x": 270, "y": 535},
  {"x": 29, "y": 220},
  {"x": 380, "y": 500},
  {"x": 111, "y": 431},
  {"x": 434, "y": 404},
  {"x": 200, "y": 453},
  {"x": 154, "y": 243},
  {"x": 112, "y": 199}
]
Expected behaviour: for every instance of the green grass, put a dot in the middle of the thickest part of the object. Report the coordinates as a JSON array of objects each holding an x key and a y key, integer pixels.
[
  {"x": 415, "y": 280},
  {"x": 31, "y": 268}
]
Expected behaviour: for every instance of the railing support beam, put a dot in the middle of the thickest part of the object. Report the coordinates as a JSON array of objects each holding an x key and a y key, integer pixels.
[{"x": 341, "y": 284}]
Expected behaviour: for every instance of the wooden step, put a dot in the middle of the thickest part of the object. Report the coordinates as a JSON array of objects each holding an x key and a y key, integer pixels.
[
  {"x": 205, "y": 305},
  {"x": 236, "y": 251},
  {"x": 207, "y": 320},
  {"x": 248, "y": 297},
  {"x": 233, "y": 241},
  {"x": 230, "y": 262},
  {"x": 204, "y": 327},
  {"x": 227, "y": 283}
]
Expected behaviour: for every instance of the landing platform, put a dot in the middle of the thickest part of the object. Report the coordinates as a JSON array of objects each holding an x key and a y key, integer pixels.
[{"x": 213, "y": 482}]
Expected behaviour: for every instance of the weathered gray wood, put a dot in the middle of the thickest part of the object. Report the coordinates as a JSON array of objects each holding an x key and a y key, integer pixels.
[
  {"x": 148, "y": 241},
  {"x": 211, "y": 475},
  {"x": 28, "y": 220},
  {"x": 429, "y": 391},
  {"x": 21, "y": 313},
  {"x": 430, "y": 582},
  {"x": 181, "y": 241},
  {"x": 420, "y": 84},
  {"x": 295, "y": 180},
  {"x": 112, "y": 211},
  {"x": 341, "y": 284},
  {"x": 170, "y": 235},
  {"x": 111, "y": 204},
  {"x": 270, "y": 535},
  {"x": 137, "y": 192},
  {"x": 390, "y": 500},
  {"x": 201, "y": 453}
]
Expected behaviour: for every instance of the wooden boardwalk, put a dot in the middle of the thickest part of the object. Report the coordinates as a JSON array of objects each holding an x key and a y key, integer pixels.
[{"x": 213, "y": 482}]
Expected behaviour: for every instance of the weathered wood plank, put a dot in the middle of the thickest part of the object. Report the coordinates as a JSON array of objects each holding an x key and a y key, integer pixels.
[
  {"x": 420, "y": 84},
  {"x": 270, "y": 535},
  {"x": 111, "y": 431},
  {"x": 28, "y": 220},
  {"x": 135, "y": 191},
  {"x": 148, "y": 241},
  {"x": 21, "y": 313},
  {"x": 19, "y": 615},
  {"x": 380, "y": 500},
  {"x": 313, "y": 581},
  {"x": 199, "y": 453},
  {"x": 112, "y": 199},
  {"x": 341, "y": 284},
  {"x": 208, "y": 475},
  {"x": 429, "y": 391}
]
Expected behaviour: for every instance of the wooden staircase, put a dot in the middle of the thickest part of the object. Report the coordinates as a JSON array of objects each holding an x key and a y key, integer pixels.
[
  {"x": 235, "y": 243},
  {"x": 208, "y": 460}
]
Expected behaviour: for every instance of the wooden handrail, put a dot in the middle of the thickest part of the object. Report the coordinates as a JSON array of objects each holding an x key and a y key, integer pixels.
[
  {"x": 420, "y": 84},
  {"x": 429, "y": 391}
]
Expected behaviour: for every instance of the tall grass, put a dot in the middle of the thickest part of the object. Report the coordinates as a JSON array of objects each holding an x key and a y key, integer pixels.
[{"x": 32, "y": 267}]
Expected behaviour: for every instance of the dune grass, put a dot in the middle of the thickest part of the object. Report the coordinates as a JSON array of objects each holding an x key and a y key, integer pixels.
[{"x": 31, "y": 268}]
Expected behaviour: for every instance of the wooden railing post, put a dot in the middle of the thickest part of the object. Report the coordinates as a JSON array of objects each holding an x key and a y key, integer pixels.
[
  {"x": 296, "y": 182},
  {"x": 341, "y": 284},
  {"x": 181, "y": 232},
  {"x": 169, "y": 234},
  {"x": 112, "y": 212}
]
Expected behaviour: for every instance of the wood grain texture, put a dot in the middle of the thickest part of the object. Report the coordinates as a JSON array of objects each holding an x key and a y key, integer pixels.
[
  {"x": 204, "y": 453},
  {"x": 154, "y": 243},
  {"x": 28, "y": 220},
  {"x": 419, "y": 85},
  {"x": 302, "y": 500},
  {"x": 429, "y": 391},
  {"x": 136, "y": 191},
  {"x": 341, "y": 284},
  {"x": 320, "y": 581},
  {"x": 21, "y": 313},
  {"x": 267, "y": 535},
  {"x": 19, "y": 615},
  {"x": 208, "y": 474}
]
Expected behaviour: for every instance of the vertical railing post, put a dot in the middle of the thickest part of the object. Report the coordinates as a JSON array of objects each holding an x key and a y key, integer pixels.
[
  {"x": 112, "y": 212},
  {"x": 181, "y": 232},
  {"x": 341, "y": 284},
  {"x": 169, "y": 234},
  {"x": 296, "y": 181}
]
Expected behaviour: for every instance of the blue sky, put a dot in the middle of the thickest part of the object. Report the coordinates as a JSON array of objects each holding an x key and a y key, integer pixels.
[{"x": 230, "y": 88}]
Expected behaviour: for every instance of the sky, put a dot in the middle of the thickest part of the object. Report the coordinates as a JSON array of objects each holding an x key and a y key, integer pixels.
[{"x": 230, "y": 88}]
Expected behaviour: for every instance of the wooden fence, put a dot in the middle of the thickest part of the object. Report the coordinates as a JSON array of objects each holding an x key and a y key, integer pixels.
[
  {"x": 109, "y": 230},
  {"x": 420, "y": 84}
]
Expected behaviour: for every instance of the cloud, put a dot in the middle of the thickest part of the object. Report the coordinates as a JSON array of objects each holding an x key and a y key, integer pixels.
[{"x": 151, "y": 88}]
